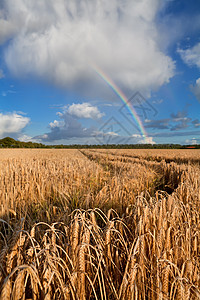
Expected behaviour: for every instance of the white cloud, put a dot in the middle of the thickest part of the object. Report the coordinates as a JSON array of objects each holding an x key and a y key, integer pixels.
[
  {"x": 12, "y": 123},
  {"x": 7, "y": 29},
  {"x": 136, "y": 136},
  {"x": 186, "y": 23},
  {"x": 27, "y": 138},
  {"x": 192, "y": 141},
  {"x": 111, "y": 133},
  {"x": 84, "y": 110},
  {"x": 61, "y": 40},
  {"x": 98, "y": 133},
  {"x": 196, "y": 123},
  {"x": 191, "y": 56},
  {"x": 149, "y": 140},
  {"x": 66, "y": 128},
  {"x": 138, "y": 139},
  {"x": 196, "y": 89},
  {"x": 56, "y": 123}
]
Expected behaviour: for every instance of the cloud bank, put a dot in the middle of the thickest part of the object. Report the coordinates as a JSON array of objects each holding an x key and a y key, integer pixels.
[
  {"x": 59, "y": 41},
  {"x": 68, "y": 126},
  {"x": 12, "y": 124},
  {"x": 176, "y": 122}
]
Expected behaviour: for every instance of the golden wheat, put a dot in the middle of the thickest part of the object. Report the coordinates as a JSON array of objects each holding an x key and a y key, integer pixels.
[{"x": 99, "y": 224}]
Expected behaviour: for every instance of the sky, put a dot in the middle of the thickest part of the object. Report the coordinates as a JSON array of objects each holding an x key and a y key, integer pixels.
[{"x": 100, "y": 72}]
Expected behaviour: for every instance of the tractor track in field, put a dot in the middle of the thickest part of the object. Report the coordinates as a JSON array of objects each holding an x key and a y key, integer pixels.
[
  {"x": 150, "y": 158},
  {"x": 168, "y": 173}
]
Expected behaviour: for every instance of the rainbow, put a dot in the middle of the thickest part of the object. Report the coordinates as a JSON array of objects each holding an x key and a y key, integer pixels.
[{"x": 125, "y": 100}]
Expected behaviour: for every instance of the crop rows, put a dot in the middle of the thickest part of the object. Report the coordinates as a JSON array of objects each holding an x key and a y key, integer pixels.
[{"x": 99, "y": 224}]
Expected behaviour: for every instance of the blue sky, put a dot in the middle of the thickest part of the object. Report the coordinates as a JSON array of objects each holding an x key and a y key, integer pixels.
[{"x": 50, "y": 91}]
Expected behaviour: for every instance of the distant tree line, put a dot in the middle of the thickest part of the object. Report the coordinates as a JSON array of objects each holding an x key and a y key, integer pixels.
[{"x": 12, "y": 143}]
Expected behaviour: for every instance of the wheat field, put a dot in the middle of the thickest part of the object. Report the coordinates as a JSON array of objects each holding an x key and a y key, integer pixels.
[{"x": 99, "y": 224}]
